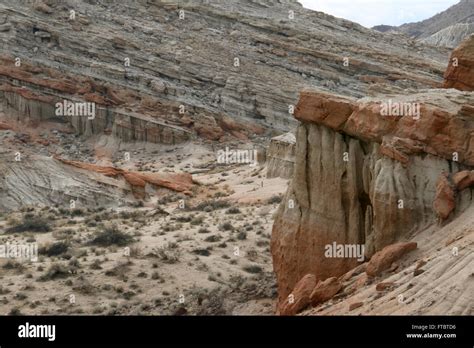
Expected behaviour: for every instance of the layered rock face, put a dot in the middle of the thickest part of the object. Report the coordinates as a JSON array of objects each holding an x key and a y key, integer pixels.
[
  {"x": 281, "y": 156},
  {"x": 451, "y": 36},
  {"x": 188, "y": 67},
  {"x": 460, "y": 72},
  {"x": 462, "y": 12},
  {"x": 362, "y": 178}
]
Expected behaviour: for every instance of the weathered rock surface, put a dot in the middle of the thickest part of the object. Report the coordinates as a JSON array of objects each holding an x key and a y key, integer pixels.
[
  {"x": 444, "y": 202},
  {"x": 460, "y": 13},
  {"x": 216, "y": 61},
  {"x": 451, "y": 36},
  {"x": 138, "y": 181},
  {"x": 446, "y": 287},
  {"x": 281, "y": 156},
  {"x": 460, "y": 72},
  {"x": 366, "y": 179},
  {"x": 383, "y": 259},
  {"x": 41, "y": 180},
  {"x": 325, "y": 290},
  {"x": 299, "y": 299}
]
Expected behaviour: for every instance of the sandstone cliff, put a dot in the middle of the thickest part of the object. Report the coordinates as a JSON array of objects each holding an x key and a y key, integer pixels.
[
  {"x": 460, "y": 72},
  {"x": 366, "y": 179},
  {"x": 281, "y": 156}
]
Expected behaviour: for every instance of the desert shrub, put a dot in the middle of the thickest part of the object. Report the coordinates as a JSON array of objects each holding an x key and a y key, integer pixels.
[
  {"x": 56, "y": 271},
  {"x": 213, "y": 239},
  {"x": 184, "y": 218},
  {"x": 119, "y": 270},
  {"x": 233, "y": 210},
  {"x": 253, "y": 269},
  {"x": 13, "y": 265},
  {"x": 274, "y": 200},
  {"x": 30, "y": 223},
  {"x": 226, "y": 226},
  {"x": 168, "y": 253},
  {"x": 95, "y": 265},
  {"x": 111, "y": 236},
  {"x": 210, "y": 205},
  {"x": 54, "y": 249},
  {"x": 202, "y": 252},
  {"x": 77, "y": 212},
  {"x": 242, "y": 235},
  {"x": 197, "y": 221}
]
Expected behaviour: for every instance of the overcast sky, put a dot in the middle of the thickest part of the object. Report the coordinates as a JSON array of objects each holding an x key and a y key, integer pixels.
[{"x": 374, "y": 12}]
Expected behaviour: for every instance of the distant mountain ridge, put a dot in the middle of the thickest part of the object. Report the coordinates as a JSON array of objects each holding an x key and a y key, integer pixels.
[{"x": 447, "y": 28}]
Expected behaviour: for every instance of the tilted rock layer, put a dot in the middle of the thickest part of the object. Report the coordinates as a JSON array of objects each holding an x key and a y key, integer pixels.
[
  {"x": 187, "y": 67},
  {"x": 460, "y": 73}
]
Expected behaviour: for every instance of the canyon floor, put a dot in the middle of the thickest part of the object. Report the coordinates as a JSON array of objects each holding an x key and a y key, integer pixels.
[{"x": 174, "y": 254}]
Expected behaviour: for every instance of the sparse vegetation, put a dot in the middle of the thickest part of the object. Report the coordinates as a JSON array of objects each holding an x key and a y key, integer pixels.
[
  {"x": 30, "y": 223},
  {"x": 111, "y": 236},
  {"x": 56, "y": 271},
  {"x": 54, "y": 249}
]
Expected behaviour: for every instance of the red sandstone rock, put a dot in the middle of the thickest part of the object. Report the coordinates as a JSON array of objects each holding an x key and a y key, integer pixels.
[
  {"x": 177, "y": 182},
  {"x": 464, "y": 179},
  {"x": 383, "y": 259},
  {"x": 4, "y": 126},
  {"x": 323, "y": 108},
  {"x": 444, "y": 202},
  {"x": 440, "y": 130},
  {"x": 299, "y": 298},
  {"x": 325, "y": 290},
  {"x": 355, "y": 305},
  {"x": 460, "y": 72},
  {"x": 384, "y": 286}
]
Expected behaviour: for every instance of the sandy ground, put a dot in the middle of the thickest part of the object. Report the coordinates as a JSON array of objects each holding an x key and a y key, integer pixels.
[{"x": 203, "y": 254}]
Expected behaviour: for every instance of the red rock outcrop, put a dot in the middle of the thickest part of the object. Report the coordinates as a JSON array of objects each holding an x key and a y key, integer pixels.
[
  {"x": 444, "y": 202},
  {"x": 299, "y": 299},
  {"x": 182, "y": 182},
  {"x": 325, "y": 290},
  {"x": 383, "y": 259},
  {"x": 441, "y": 128},
  {"x": 463, "y": 179},
  {"x": 365, "y": 179},
  {"x": 460, "y": 72}
]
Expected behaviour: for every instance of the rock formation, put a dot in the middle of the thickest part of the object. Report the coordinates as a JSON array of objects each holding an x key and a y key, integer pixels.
[
  {"x": 451, "y": 36},
  {"x": 445, "y": 29},
  {"x": 460, "y": 72},
  {"x": 281, "y": 156},
  {"x": 185, "y": 68}
]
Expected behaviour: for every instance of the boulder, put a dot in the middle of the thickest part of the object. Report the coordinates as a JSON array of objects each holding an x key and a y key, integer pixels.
[
  {"x": 299, "y": 298},
  {"x": 383, "y": 259},
  {"x": 460, "y": 72}
]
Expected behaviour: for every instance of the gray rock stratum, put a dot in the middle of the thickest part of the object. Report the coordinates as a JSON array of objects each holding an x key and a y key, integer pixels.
[
  {"x": 281, "y": 156},
  {"x": 446, "y": 29},
  {"x": 189, "y": 65}
]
